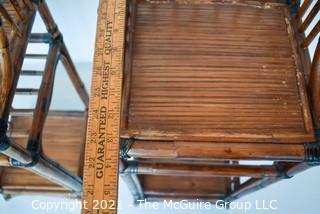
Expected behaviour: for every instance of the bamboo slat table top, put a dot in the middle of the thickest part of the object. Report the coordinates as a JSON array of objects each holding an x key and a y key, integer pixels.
[{"x": 218, "y": 72}]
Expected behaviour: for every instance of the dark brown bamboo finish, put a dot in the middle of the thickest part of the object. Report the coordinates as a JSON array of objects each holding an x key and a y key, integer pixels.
[
  {"x": 68, "y": 125},
  {"x": 47, "y": 18},
  {"x": 182, "y": 77},
  {"x": 17, "y": 37},
  {"x": 180, "y": 150},
  {"x": 255, "y": 184},
  {"x": 310, "y": 17},
  {"x": 312, "y": 35},
  {"x": 9, "y": 193},
  {"x": 206, "y": 95},
  {"x": 227, "y": 170},
  {"x": 53, "y": 30},
  {"x": 34, "y": 159},
  {"x": 44, "y": 168},
  {"x": 9, "y": 19},
  {"x": 45, "y": 95},
  {"x": 315, "y": 81},
  {"x": 251, "y": 185},
  {"x": 6, "y": 72},
  {"x": 303, "y": 9},
  {"x": 131, "y": 19},
  {"x": 183, "y": 108},
  {"x": 20, "y": 13},
  {"x": 18, "y": 47}
]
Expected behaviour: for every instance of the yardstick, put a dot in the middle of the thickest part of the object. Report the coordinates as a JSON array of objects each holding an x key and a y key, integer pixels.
[{"x": 100, "y": 184}]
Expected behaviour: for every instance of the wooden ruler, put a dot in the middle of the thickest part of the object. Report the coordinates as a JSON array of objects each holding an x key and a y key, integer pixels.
[{"x": 100, "y": 185}]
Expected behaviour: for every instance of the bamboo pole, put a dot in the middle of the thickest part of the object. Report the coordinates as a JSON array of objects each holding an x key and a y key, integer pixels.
[
  {"x": 303, "y": 53},
  {"x": 18, "y": 49},
  {"x": 216, "y": 151},
  {"x": 36, "y": 56},
  {"x": 132, "y": 181},
  {"x": 312, "y": 35},
  {"x": 15, "y": 151},
  {"x": 18, "y": 10},
  {"x": 304, "y": 7},
  {"x": 251, "y": 185},
  {"x": 315, "y": 83},
  {"x": 42, "y": 167},
  {"x": 288, "y": 169},
  {"x": 47, "y": 18},
  {"x": 37, "y": 164},
  {"x": 128, "y": 63},
  {"x": 310, "y": 17},
  {"x": 40, "y": 38},
  {"x": 28, "y": 192},
  {"x": 203, "y": 171},
  {"x": 294, "y": 168},
  {"x": 8, "y": 18},
  {"x": 27, "y": 4},
  {"x": 53, "y": 30},
  {"x": 83, "y": 147},
  {"x": 27, "y": 91},
  {"x": 6, "y": 72},
  {"x": 45, "y": 95},
  {"x": 235, "y": 180},
  {"x": 31, "y": 73}
]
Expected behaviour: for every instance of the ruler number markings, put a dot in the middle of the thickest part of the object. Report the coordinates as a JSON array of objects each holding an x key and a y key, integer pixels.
[{"x": 102, "y": 146}]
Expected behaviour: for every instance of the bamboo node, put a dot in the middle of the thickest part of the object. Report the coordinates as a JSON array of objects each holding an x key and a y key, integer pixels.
[
  {"x": 55, "y": 33},
  {"x": 125, "y": 145},
  {"x": 312, "y": 154},
  {"x": 281, "y": 171},
  {"x": 35, "y": 160},
  {"x": 132, "y": 168},
  {"x": 312, "y": 151}
]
